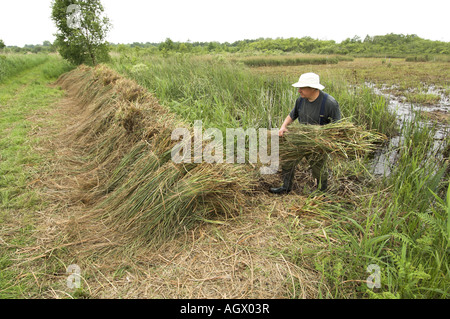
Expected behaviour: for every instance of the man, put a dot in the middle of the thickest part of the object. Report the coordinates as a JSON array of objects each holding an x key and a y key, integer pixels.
[{"x": 312, "y": 107}]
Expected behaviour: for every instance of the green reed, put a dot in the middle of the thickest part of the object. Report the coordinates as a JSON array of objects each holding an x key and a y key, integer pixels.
[{"x": 224, "y": 94}]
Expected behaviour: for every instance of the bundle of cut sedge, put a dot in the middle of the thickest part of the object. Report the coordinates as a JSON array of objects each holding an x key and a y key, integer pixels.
[{"x": 341, "y": 139}]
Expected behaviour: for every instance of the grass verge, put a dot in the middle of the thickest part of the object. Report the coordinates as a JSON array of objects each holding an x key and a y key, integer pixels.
[{"x": 26, "y": 91}]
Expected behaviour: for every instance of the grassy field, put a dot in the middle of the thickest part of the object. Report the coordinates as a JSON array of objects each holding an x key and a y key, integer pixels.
[
  {"x": 290, "y": 60},
  {"x": 315, "y": 246},
  {"x": 224, "y": 94}
]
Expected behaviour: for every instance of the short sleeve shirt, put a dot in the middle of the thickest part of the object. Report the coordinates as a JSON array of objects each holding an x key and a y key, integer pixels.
[{"x": 309, "y": 112}]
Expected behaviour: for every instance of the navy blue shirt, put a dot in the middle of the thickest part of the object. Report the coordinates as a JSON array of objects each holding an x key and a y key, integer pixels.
[{"x": 309, "y": 112}]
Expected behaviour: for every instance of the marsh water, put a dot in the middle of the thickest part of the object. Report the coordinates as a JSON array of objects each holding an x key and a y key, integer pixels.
[{"x": 406, "y": 112}]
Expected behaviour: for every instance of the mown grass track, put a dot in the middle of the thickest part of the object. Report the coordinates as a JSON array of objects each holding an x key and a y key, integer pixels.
[{"x": 21, "y": 95}]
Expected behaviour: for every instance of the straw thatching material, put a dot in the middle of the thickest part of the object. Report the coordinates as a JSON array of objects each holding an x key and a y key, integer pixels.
[
  {"x": 129, "y": 175},
  {"x": 341, "y": 139}
]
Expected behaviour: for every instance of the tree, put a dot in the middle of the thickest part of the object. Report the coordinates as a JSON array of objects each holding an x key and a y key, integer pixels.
[
  {"x": 167, "y": 45},
  {"x": 2, "y": 44},
  {"x": 81, "y": 31}
]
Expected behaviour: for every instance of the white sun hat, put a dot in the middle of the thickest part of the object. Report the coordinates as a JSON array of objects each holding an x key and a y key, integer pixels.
[{"x": 309, "y": 80}]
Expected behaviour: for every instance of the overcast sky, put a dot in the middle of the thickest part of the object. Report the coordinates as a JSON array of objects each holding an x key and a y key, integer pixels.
[{"x": 28, "y": 21}]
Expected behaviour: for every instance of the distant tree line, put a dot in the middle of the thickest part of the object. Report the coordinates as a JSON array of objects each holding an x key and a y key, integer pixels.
[
  {"x": 385, "y": 45},
  {"x": 45, "y": 47},
  {"x": 390, "y": 44}
]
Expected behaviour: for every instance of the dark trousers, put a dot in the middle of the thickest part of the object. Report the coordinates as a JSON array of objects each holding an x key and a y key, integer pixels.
[{"x": 317, "y": 165}]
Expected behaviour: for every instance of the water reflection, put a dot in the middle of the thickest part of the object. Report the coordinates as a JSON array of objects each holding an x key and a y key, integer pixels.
[{"x": 406, "y": 114}]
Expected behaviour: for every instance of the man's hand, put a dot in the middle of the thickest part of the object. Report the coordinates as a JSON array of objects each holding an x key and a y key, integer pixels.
[
  {"x": 283, "y": 128},
  {"x": 282, "y": 131}
]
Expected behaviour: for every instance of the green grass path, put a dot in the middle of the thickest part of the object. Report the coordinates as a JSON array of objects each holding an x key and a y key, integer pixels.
[{"x": 20, "y": 97}]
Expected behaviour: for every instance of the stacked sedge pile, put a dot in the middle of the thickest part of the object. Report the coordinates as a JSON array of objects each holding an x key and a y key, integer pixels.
[
  {"x": 128, "y": 174},
  {"x": 342, "y": 140}
]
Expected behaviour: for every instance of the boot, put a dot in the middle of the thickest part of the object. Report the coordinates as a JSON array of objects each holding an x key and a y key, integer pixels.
[
  {"x": 279, "y": 190},
  {"x": 320, "y": 173},
  {"x": 287, "y": 183},
  {"x": 322, "y": 185}
]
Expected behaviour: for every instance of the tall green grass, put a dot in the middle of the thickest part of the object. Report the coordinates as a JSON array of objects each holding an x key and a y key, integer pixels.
[
  {"x": 13, "y": 64},
  {"x": 400, "y": 225},
  {"x": 259, "y": 62},
  {"x": 289, "y": 60},
  {"x": 419, "y": 215},
  {"x": 223, "y": 94}
]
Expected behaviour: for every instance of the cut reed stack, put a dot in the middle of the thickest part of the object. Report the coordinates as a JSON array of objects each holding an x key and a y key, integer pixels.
[{"x": 129, "y": 175}]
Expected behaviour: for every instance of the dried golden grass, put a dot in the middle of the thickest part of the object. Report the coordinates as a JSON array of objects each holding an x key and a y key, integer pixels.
[{"x": 117, "y": 115}]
